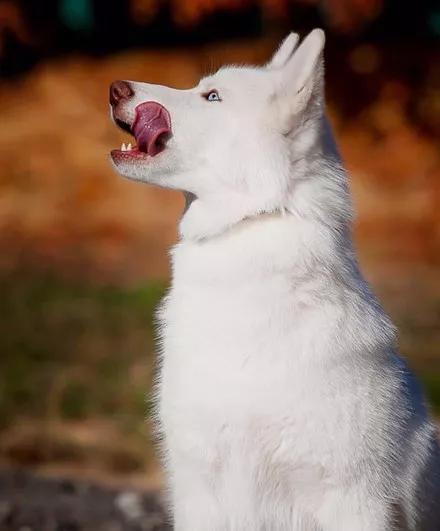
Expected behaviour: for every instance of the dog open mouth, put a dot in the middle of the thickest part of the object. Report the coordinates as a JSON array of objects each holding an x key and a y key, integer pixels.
[{"x": 151, "y": 129}]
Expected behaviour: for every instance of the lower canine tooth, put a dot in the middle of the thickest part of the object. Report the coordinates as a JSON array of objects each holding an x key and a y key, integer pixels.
[
  {"x": 123, "y": 148},
  {"x": 128, "y": 147}
]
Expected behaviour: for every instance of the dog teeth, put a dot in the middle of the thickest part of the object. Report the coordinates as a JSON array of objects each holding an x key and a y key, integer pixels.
[
  {"x": 123, "y": 148},
  {"x": 129, "y": 147}
]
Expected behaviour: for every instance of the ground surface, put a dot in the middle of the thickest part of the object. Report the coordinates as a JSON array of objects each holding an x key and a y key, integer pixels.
[{"x": 30, "y": 502}]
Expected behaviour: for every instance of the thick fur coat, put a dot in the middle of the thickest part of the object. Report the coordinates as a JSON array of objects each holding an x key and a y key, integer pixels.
[{"x": 281, "y": 400}]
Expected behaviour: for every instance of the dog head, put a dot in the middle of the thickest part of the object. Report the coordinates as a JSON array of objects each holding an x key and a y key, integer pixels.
[{"x": 231, "y": 141}]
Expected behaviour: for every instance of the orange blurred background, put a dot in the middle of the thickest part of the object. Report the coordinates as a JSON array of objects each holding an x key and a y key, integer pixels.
[{"x": 83, "y": 253}]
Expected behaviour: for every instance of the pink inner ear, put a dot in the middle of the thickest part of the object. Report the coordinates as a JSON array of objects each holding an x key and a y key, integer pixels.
[{"x": 151, "y": 127}]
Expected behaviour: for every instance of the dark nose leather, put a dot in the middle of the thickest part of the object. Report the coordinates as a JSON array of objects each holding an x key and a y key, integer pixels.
[{"x": 120, "y": 90}]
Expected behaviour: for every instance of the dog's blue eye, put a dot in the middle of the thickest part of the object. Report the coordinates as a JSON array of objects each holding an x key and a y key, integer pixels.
[{"x": 212, "y": 96}]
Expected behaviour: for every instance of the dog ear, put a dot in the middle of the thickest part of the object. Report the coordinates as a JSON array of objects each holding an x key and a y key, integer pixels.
[
  {"x": 301, "y": 76},
  {"x": 283, "y": 52}
]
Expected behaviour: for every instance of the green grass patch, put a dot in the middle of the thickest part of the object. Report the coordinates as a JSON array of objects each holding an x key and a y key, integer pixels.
[
  {"x": 74, "y": 351},
  {"x": 431, "y": 384}
]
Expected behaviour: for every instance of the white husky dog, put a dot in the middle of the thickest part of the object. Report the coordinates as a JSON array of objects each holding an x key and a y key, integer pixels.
[{"x": 281, "y": 399}]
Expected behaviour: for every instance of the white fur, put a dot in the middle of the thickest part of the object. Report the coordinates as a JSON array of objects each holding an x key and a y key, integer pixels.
[{"x": 282, "y": 402}]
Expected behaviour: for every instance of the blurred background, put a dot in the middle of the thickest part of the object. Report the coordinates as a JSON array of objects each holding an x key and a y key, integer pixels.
[{"x": 83, "y": 253}]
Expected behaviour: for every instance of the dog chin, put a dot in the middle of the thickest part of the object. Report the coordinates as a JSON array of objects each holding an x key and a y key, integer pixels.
[
  {"x": 131, "y": 171},
  {"x": 157, "y": 172}
]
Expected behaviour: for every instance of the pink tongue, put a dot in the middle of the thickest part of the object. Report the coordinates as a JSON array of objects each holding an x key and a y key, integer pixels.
[{"x": 151, "y": 124}]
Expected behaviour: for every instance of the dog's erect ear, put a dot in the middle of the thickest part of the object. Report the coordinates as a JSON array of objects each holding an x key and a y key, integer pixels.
[
  {"x": 285, "y": 50},
  {"x": 304, "y": 65},
  {"x": 301, "y": 75}
]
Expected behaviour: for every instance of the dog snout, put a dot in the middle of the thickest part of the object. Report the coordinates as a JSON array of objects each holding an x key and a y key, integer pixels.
[{"x": 120, "y": 90}]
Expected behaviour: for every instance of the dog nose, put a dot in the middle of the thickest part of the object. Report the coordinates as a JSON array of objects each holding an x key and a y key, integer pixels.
[{"x": 120, "y": 90}]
